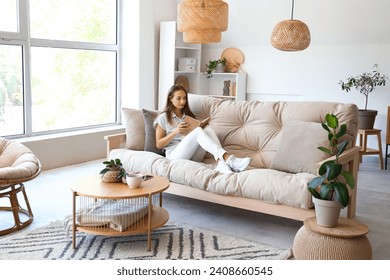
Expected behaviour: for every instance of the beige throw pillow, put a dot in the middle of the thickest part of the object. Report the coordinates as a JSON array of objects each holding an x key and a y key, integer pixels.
[
  {"x": 135, "y": 129},
  {"x": 297, "y": 150}
]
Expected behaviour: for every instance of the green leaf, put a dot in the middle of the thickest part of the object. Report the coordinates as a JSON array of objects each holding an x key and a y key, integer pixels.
[
  {"x": 342, "y": 194},
  {"x": 326, "y": 191},
  {"x": 342, "y": 131},
  {"x": 333, "y": 170},
  {"x": 325, "y": 127},
  {"x": 341, "y": 147},
  {"x": 315, "y": 182},
  {"x": 314, "y": 193},
  {"x": 348, "y": 178},
  {"x": 332, "y": 121},
  {"x": 325, "y": 150},
  {"x": 323, "y": 168}
]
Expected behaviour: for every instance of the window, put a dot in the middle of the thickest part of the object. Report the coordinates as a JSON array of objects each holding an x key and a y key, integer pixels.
[{"x": 62, "y": 77}]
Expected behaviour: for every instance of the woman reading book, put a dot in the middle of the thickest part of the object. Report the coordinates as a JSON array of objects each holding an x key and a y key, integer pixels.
[{"x": 173, "y": 135}]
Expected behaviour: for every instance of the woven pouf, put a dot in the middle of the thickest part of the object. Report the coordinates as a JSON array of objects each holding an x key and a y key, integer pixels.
[{"x": 347, "y": 241}]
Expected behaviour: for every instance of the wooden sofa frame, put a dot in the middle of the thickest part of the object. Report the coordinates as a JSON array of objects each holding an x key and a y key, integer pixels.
[{"x": 350, "y": 159}]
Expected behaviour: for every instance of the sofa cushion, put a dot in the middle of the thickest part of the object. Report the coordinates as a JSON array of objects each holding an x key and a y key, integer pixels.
[
  {"x": 150, "y": 131},
  {"x": 135, "y": 129},
  {"x": 263, "y": 184},
  {"x": 297, "y": 147}
]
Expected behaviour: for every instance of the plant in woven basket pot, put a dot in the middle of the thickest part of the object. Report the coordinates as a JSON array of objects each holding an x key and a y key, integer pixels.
[
  {"x": 365, "y": 84},
  {"x": 330, "y": 189},
  {"x": 113, "y": 172}
]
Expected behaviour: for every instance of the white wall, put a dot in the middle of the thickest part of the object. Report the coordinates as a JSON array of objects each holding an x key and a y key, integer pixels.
[{"x": 347, "y": 38}]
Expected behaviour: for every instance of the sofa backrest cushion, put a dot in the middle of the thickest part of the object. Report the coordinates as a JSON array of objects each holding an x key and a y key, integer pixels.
[
  {"x": 133, "y": 120},
  {"x": 254, "y": 128}
]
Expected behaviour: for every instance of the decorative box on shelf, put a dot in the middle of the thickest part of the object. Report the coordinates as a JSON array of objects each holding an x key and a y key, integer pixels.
[{"x": 187, "y": 64}]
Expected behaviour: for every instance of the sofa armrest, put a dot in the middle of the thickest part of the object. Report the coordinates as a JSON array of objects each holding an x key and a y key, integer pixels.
[
  {"x": 115, "y": 141},
  {"x": 350, "y": 160}
]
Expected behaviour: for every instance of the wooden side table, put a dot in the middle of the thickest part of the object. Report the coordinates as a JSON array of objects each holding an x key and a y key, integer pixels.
[
  {"x": 347, "y": 241},
  {"x": 363, "y": 134}
]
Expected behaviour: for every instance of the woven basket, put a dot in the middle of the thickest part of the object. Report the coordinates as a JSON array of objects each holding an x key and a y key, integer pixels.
[
  {"x": 202, "y": 21},
  {"x": 290, "y": 35},
  {"x": 111, "y": 177}
]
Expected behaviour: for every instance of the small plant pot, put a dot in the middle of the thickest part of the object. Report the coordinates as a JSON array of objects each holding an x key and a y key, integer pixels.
[
  {"x": 327, "y": 212},
  {"x": 111, "y": 177},
  {"x": 220, "y": 68}
]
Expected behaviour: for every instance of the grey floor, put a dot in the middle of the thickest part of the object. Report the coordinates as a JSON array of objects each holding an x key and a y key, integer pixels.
[{"x": 50, "y": 198}]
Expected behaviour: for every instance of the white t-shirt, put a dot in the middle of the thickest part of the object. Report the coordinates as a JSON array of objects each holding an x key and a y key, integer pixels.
[{"x": 162, "y": 120}]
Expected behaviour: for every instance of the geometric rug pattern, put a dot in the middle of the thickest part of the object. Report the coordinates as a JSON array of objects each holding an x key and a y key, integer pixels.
[{"x": 170, "y": 242}]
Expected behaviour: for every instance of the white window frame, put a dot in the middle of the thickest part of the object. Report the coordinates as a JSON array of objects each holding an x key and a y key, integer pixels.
[{"x": 22, "y": 38}]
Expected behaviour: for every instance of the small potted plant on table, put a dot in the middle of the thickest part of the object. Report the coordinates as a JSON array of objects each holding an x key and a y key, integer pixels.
[
  {"x": 330, "y": 189},
  {"x": 113, "y": 172},
  {"x": 365, "y": 84}
]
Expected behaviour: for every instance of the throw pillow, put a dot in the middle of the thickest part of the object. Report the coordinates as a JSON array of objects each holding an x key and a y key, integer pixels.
[
  {"x": 150, "y": 131},
  {"x": 297, "y": 149},
  {"x": 135, "y": 128}
]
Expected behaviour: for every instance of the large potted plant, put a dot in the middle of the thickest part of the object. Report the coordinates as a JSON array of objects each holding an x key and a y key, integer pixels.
[
  {"x": 330, "y": 189},
  {"x": 365, "y": 84}
]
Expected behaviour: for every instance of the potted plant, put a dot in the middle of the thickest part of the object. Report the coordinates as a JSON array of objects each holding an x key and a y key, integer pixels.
[
  {"x": 331, "y": 187},
  {"x": 365, "y": 84},
  {"x": 113, "y": 172},
  {"x": 218, "y": 65}
]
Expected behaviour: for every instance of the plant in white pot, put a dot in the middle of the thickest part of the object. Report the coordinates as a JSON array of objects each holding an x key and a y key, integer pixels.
[
  {"x": 218, "y": 66},
  {"x": 331, "y": 187},
  {"x": 365, "y": 84}
]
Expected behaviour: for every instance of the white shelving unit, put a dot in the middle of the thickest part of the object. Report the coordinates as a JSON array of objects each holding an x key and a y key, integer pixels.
[
  {"x": 172, "y": 48},
  {"x": 214, "y": 85}
]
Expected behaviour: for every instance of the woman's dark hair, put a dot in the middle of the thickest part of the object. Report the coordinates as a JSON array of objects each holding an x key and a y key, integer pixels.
[{"x": 169, "y": 108}]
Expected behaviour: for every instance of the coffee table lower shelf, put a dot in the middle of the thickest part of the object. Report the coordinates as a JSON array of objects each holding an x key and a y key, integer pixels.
[{"x": 160, "y": 217}]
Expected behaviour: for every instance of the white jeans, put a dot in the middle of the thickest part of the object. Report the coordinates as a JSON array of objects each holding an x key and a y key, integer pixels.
[{"x": 195, "y": 145}]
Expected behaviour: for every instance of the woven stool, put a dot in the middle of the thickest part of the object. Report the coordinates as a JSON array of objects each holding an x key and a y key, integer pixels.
[{"x": 347, "y": 241}]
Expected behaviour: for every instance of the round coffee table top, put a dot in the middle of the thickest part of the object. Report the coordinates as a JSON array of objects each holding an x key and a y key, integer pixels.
[
  {"x": 93, "y": 186},
  {"x": 345, "y": 228}
]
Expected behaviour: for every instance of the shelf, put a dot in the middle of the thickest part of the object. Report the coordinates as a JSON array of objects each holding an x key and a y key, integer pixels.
[{"x": 159, "y": 217}]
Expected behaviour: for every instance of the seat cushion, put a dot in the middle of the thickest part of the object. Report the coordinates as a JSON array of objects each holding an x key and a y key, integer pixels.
[
  {"x": 264, "y": 184},
  {"x": 17, "y": 162}
]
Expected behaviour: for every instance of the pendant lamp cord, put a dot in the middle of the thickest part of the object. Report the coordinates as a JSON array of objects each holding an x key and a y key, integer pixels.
[{"x": 292, "y": 10}]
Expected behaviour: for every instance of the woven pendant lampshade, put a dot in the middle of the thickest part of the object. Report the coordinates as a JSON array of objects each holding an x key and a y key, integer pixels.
[
  {"x": 291, "y": 35},
  {"x": 202, "y": 21}
]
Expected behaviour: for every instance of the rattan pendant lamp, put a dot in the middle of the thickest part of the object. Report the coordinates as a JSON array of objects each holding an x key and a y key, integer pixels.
[
  {"x": 291, "y": 34},
  {"x": 202, "y": 21}
]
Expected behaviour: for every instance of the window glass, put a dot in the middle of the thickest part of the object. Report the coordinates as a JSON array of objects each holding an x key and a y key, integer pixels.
[
  {"x": 9, "y": 16},
  {"x": 74, "y": 20},
  {"x": 11, "y": 90},
  {"x": 72, "y": 88}
]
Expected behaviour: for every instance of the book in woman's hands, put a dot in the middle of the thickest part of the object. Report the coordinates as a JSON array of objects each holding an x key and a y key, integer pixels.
[{"x": 194, "y": 123}]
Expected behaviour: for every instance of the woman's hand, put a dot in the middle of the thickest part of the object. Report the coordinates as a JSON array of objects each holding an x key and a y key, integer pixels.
[{"x": 182, "y": 128}]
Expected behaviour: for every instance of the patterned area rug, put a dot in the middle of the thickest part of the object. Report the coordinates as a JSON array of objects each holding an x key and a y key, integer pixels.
[{"x": 171, "y": 241}]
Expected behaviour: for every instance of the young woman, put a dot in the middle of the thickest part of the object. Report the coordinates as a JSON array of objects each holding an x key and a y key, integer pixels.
[{"x": 170, "y": 130}]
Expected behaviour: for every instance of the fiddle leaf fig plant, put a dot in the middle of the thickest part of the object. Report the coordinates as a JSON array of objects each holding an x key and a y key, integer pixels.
[
  {"x": 333, "y": 182},
  {"x": 365, "y": 83}
]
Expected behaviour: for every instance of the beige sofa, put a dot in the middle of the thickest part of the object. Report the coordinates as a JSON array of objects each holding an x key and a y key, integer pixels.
[{"x": 280, "y": 137}]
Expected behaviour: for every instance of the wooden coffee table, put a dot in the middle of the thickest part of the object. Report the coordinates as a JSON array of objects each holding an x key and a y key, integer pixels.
[{"x": 91, "y": 190}]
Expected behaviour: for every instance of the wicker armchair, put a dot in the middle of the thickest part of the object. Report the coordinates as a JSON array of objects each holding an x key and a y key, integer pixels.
[{"x": 17, "y": 166}]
